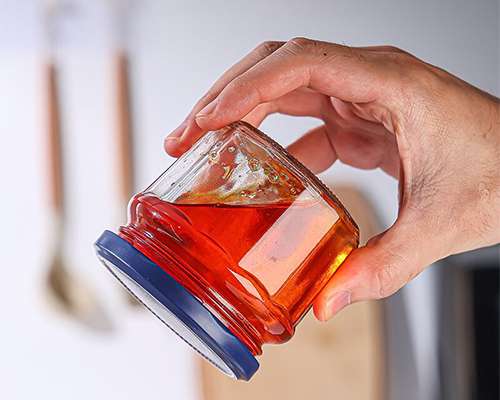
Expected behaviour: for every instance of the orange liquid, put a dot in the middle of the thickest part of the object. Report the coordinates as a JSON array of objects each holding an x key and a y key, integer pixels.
[{"x": 257, "y": 267}]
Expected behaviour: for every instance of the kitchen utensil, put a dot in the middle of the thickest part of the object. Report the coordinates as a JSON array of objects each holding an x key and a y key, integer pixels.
[
  {"x": 122, "y": 95},
  {"x": 66, "y": 290}
]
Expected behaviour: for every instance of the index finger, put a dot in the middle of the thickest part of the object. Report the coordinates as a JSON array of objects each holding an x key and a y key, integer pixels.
[
  {"x": 353, "y": 75},
  {"x": 189, "y": 128}
]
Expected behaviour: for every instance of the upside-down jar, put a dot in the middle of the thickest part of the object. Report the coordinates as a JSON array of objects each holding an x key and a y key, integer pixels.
[{"x": 230, "y": 246}]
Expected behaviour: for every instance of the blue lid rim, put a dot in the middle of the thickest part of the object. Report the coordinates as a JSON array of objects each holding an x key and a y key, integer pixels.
[{"x": 176, "y": 298}]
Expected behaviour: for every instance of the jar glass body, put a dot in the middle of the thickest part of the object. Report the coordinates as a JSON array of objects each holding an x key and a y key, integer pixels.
[{"x": 246, "y": 229}]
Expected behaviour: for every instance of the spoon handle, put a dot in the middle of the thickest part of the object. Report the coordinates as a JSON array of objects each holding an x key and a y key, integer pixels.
[
  {"x": 124, "y": 139},
  {"x": 124, "y": 133},
  {"x": 53, "y": 121}
]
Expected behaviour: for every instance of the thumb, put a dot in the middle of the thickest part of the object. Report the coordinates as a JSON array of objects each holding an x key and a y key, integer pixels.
[{"x": 377, "y": 270}]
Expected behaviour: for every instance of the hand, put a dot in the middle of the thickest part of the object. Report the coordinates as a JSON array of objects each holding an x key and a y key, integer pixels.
[{"x": 381, "y": 108}]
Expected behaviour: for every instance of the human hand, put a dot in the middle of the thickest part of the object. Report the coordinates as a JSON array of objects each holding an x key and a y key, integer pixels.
[{"x": 381, "y": 108}]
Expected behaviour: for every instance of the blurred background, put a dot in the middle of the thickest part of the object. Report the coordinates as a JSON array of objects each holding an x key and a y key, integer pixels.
[{"x": 115, "y": 77}]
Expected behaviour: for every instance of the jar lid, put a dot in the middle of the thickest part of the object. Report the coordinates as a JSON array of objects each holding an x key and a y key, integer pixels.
[{"x": 176, "y": 307}]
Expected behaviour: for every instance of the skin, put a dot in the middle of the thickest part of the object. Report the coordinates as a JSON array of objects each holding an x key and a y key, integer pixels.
[{"x": 380, "y": 107}]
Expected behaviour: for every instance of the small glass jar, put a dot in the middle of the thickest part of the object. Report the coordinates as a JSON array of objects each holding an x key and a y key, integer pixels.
[{"x": 230, "y": 246}]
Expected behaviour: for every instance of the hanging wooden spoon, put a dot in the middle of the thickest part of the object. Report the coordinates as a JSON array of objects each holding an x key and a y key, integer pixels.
[
  {"x": 67, "y": 291},
  {"x": 124, "y": 139},
  {"x": 120, "y": 10}
]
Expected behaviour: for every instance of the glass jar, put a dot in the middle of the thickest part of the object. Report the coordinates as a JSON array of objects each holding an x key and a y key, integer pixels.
[{"x": 230, "y": 246}]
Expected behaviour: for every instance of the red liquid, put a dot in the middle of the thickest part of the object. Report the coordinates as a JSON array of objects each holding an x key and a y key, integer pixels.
[{"x": 257, "y": 267}]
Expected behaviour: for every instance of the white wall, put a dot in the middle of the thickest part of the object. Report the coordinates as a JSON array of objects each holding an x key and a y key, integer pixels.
[{"x": 179, "y": 48}]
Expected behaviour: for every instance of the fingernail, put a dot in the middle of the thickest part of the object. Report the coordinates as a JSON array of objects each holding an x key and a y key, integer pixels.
[
  {"x": 170, "y": 142},
  {"x": 336, "y": 303},
  {"x": 177, "y": 132},
  {"x": 206, "y": 111}
]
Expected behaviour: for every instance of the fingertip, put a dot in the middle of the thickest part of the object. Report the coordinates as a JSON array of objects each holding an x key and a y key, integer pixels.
[
  {"x": 335, "y": 303},
  {"x": 171, "y": 145},
  {"x": 176, "y": 146},
  {"x": 318, "y": 310},
  {"x": 212, "y": 121},
  {"x": 226, "y": 109}
]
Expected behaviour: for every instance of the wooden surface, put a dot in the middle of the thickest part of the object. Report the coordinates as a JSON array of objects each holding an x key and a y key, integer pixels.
[{"x": 340, "y": 359}]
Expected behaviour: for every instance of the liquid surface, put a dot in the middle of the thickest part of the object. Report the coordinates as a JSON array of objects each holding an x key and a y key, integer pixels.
[{"x": 257, "y": 266}]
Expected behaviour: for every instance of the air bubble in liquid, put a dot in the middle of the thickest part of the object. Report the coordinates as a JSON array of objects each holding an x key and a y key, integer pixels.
[
  {"x": 271, "y": 174},
  {"x": 273, "y": 177},
  {"x": 213, "y": 155},
  {"x": 231, "y": 149},
  {"x": 254, "y": 164},
  {"x": 293, "y": 190}
]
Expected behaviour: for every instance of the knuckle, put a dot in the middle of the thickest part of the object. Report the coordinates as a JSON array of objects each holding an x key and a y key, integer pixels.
[
  {"x": 302, "y": 43},
  {"x": 415, "y": 86},
  {"x": 402, "y": 59},
  {"x": 314, "y": 50},
  {"x": 394, "y": 49},
  {"x": 236, "y": 84},
  {"x": 394, "y": 272},
  {"x": 420, "y": 78},
  {"x": 268, "y": 47},
  {"x": 242, "y": 86},
  {"x": 207, "y": 98},
  {"x": 385, "y": 278}
]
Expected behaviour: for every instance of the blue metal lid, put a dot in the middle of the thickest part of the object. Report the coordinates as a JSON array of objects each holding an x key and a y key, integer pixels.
[{"x": 175, "y": 306}]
